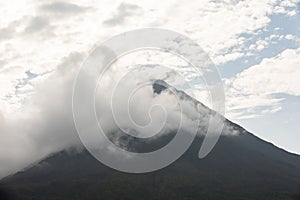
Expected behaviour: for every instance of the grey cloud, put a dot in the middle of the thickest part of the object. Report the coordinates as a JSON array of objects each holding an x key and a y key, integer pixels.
[
  {"x": 70, "y": 63},
  {"x": 2, "y": 63},
  {"x": 32, "y": 25},
  {"x": 123, "y": 12},
  {"x": 6, "y": 33},
  {"x": 9, "y": 31},
  {"x": 37, "y": 24},
  {"x": 63, "y": 8}
]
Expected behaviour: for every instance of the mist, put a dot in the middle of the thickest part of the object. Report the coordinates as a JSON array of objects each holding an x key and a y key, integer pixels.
[{"x": 125, "y": 102}]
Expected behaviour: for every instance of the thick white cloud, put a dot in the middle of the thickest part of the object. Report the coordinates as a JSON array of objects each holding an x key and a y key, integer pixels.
[
  {"x": 255, "y": 87},
  {"x": 37, "y": 35}
]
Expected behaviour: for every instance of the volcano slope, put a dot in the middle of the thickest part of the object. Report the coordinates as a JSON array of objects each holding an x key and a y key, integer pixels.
[{"x": 241, "y": 166}]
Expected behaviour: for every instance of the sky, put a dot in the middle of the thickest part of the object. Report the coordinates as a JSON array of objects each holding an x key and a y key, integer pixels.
[{"x": 255, "y": 45}]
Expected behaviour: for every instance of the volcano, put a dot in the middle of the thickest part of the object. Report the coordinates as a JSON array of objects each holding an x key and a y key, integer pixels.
[{"x": 241, "y": 166}]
